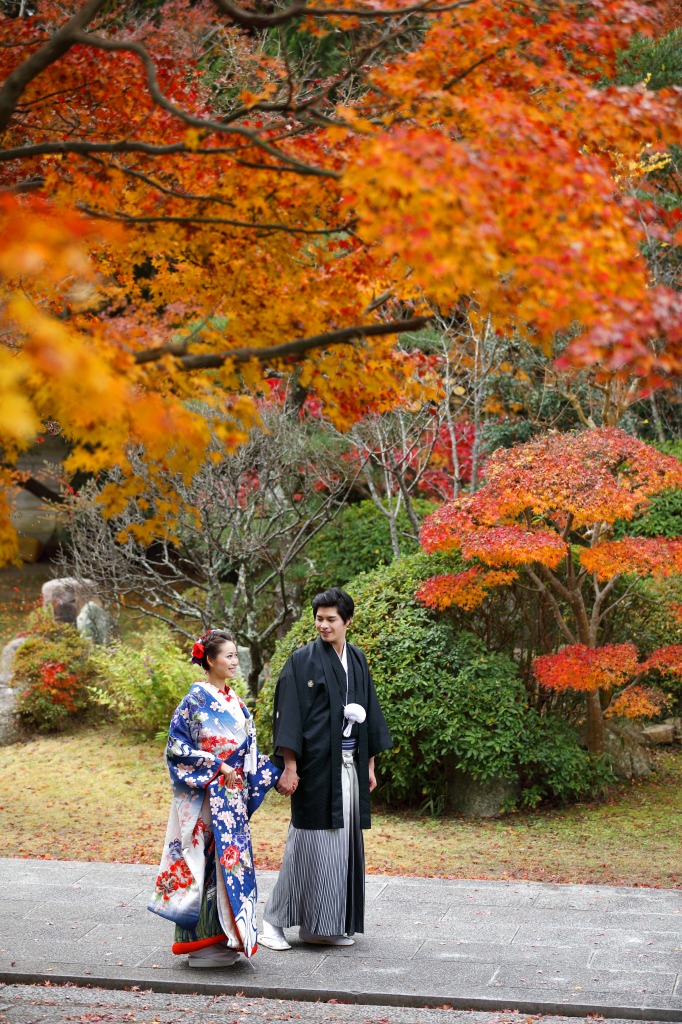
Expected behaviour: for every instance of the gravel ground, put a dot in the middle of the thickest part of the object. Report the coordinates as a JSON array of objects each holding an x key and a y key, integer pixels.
[{"x": 68, "y": 1004}]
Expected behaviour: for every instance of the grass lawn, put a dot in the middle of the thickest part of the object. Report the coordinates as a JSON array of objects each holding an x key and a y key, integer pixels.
[{"x": 95, "y": 795}]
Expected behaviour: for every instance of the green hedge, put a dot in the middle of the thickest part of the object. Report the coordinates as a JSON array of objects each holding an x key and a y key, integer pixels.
[{"x": 449, "y": 701}]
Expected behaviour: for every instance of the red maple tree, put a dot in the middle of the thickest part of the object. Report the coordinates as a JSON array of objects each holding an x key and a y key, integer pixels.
[{"x": 546, "y": 512}]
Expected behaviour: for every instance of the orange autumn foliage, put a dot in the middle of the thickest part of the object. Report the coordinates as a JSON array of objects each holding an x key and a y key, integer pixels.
[
  {"x": 666, "y": 660},
  {"x": 637, "y": 702},
  {"x": 543, "y": 515},
  {"x": 465, "y": 590},
  {"x": 645, "y": 556},
  {"x": 268, "y": 223},
  {"x": 587, "y": 668},
  {"x": 608, "y": 668}
]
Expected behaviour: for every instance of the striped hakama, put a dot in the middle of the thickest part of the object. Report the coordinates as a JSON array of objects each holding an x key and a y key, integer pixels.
[{"x": 321, "y": 884}]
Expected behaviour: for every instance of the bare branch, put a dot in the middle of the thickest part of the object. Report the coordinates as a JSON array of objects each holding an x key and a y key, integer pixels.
[
  {"x": 554, "y": 605},
  {"x": 251, "y": 19}
]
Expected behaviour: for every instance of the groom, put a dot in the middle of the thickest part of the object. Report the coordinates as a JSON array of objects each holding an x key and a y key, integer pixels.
[{"x": 327, "y": 749}]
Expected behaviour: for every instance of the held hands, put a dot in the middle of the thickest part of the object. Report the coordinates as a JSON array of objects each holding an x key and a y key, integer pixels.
[
  {"x": 372, "y": 776},
  {"x": 230, "y": 774},
  {"x": 288, "y": 781}
]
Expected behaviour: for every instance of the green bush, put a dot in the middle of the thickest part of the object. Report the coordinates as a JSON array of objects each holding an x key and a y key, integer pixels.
[
  {"x": 553, "y": 765},
  {"x": 658, "y": 62},
  {"x": 142, "y": 686},
  {"x": 663, "y": 518},
  {"x": 358, "y": 540},
  {"x": 450, "y": 703},
  {"x": 52, "y": 670}
]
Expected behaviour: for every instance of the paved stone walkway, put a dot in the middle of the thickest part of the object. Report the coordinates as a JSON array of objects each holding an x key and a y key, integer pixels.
[{"x": 536, "y": 948}]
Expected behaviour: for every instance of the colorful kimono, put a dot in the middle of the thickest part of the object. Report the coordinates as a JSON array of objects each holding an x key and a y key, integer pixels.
[{"x": 206, "y": 881}]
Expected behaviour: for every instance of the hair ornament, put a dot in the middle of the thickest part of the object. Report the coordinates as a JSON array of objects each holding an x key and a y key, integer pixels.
[{"x": 198, "y": 648}]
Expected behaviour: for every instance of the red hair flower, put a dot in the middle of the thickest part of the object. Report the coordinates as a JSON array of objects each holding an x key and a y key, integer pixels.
[{"x": 198, "y": 650}]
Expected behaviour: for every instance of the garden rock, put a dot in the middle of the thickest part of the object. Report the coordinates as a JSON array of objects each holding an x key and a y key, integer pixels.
[
  {"x": 630, "y": 759},
  {"x": 7, "y": 660},
  {"x": 10, "y": 731},
  {"x": 66, "y": 597},
  {"x": 677, "y": 726},
  {"x": 655, "y": 734},
  {"x": 479, "y": 798},
  {"x": 95, "y": 623}
]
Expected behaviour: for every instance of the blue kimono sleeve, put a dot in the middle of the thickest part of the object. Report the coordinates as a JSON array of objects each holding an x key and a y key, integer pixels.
[
  {"x": 259, "y": 782},
  {"x": 188, "y": 764}
]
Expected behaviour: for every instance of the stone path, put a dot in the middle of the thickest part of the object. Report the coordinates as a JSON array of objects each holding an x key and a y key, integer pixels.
[{"x": 492, "y": 946}]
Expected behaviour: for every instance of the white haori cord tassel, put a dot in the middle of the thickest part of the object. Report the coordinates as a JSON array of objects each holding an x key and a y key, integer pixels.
[{"x": 353, "y": 713}]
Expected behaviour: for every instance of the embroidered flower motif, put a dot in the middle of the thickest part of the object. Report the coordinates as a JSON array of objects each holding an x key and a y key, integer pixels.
[
  {"x": 230, "y": 859},
  {"x": 175, "y": 850},
  {"x": 177, "y": 877}
]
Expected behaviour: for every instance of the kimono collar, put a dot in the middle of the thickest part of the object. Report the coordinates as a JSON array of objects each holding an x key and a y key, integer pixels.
[{"x": 229, "y": 695}]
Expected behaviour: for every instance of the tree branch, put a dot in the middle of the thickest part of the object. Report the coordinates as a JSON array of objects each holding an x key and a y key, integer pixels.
[
  {"x": 149, "y": 149},
  {"x": 125, "y": 218},
  {"x": 251, "y": 19},
  {"x": 299, "y": 347},
  {"x": 205, "y": 124},
  {"x": 55, "y": 47},
  {"x": 554, "y": 605}
]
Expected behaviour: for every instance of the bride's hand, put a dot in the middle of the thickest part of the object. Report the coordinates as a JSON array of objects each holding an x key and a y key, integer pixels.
[{"x": 229, "y": 774}]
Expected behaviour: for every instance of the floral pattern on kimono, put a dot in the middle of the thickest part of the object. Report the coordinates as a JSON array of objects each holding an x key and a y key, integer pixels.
[{"x": 207, "y": 728}]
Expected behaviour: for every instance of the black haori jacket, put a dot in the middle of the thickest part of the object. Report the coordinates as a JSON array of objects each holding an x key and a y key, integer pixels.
[{"x": 308, "y": 719}]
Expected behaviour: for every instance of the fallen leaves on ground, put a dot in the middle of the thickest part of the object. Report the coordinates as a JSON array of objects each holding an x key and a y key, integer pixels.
[{"x": 95, "y": 795}]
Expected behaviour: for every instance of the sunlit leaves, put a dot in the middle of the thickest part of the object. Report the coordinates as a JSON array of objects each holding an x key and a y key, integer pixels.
[
  {"x": 645, "y": 556},
  {"x": 466, "y": 590},
  {"x": 578, "y": 667},
  {"x": 637, "y": 702}
]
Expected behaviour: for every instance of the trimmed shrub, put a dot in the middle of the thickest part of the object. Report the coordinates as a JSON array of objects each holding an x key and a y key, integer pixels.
[
  {"x": 450, "y": 703},
  {"x": 52, "y": 671}
]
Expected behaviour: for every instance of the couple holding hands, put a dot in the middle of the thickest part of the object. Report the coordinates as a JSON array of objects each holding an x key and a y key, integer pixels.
[{"x": 327, "y": 729}]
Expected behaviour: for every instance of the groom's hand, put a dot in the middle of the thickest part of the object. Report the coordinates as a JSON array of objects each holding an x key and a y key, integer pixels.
[
  {"x": 288, "y": 781},
  {"x": 372, "y": 776}
]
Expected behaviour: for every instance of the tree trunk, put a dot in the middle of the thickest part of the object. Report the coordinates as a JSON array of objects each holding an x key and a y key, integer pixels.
[{"x": 595, "y": 723}]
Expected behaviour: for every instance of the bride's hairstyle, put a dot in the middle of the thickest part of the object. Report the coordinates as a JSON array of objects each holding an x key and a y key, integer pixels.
[{"x": 209, "y": 645}]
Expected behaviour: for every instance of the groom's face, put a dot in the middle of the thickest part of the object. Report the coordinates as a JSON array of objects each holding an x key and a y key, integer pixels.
[{"x": 330, "y": 625}]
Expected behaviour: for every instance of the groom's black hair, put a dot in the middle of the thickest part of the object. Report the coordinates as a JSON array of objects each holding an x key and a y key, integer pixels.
[{"x": 335, "y": 598}]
